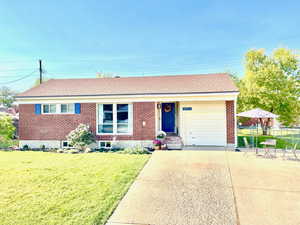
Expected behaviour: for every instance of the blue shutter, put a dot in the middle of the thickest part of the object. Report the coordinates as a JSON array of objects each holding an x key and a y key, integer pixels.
[
  {"x": 37, "y": 109},
  {"x": 77, "y": 108}
]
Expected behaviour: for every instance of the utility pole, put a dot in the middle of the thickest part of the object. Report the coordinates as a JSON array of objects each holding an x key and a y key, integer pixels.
[{"x": 41, "y": 71}]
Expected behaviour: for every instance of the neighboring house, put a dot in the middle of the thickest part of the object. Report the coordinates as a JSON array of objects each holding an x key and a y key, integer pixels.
[
  {"x": 274, "y": 123},
  {"x": 200, "y": 109}
]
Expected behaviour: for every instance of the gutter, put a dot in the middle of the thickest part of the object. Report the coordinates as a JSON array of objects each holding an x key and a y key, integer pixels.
[{"x": 133, "y": 95}]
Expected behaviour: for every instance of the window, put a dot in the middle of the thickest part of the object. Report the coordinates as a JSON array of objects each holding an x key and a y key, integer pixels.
[
  {"x": 58, "y": 108},
  {"x": 49, "y": 108},
  {"x": 65, "y": 144},
  {"x": 105, "y": 145},
  {"x": 106, "y": 118},
  {"x": 122, "y": 118},
  {"x": 67, "y": 108},
  {"x": 114, "y": 118}
]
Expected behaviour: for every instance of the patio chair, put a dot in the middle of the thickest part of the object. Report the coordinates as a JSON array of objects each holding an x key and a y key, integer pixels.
[
  {"x": 269, "y": 142},
  {"x": 292, "y": 151}
]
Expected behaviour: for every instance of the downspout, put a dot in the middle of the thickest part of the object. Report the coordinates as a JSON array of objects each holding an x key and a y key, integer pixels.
[{"x": 235, "y": 123}]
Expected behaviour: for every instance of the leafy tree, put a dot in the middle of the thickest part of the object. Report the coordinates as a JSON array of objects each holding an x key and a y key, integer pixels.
[
  {"x": 239, "y": 82},
  {"x": 272, "y": 83},
  {"x": 81, "y": 137},
  {"x": 104, "y": 75},
  {"x": 7, "y": 129},
  {"x": 7, "y": 96}
]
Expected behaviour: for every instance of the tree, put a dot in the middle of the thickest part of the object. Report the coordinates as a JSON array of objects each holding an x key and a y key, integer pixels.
[
  {"x": 240, "y": 103},
  {"x": 104, "y": 75},
  {"x": 7, "y": 129},
  {"x": 272, "y": 83},
  {"x": 7, "y": 96},
  {"x": 81, "y": 137}
]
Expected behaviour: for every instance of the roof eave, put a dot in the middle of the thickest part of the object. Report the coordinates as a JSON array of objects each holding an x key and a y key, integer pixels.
[{"x": 129, "y": 94}]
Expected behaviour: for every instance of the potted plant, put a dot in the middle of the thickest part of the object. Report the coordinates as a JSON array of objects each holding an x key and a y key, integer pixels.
[
  {"x": 157, "y": 144},
  {"x": 161, "y": 135}
]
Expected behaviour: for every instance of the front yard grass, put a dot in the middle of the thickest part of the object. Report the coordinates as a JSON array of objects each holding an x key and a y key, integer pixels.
[{"x": 49, "y": 188}]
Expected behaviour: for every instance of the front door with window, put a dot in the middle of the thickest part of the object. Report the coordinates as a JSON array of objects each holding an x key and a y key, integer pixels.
[{"x": 168, "y": 117}]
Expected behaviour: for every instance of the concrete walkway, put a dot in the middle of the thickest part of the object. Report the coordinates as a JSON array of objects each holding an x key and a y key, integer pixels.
[{"x": 212, "y": 188}]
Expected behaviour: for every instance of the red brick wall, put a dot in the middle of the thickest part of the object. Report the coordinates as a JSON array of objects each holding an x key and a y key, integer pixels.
[
  {"x": 230, "y": 124},
  {"x": 57, "y": 126}
]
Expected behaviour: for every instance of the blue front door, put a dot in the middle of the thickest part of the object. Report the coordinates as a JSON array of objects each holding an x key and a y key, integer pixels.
[{"x": 168, "y": 117}]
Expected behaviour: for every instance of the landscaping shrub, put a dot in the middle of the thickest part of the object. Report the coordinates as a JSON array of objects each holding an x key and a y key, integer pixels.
[
  {"x": 60, "y": 151},
  {"x": 81, "y": 137},
  {"x": 25, "y": 148},
  {"x": 87, "y": 150},
  {"x": 43, "y": 147},
  {"x": 134, "y": 150},
  {"x": 7, "y": 143},
  {"x": 7, "y": 129}
]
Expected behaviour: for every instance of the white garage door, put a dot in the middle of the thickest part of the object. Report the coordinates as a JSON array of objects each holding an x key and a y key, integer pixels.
[{"x": 203, "y": 123}]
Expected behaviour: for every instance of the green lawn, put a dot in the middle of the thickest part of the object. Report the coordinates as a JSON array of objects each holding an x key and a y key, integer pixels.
[{"x": 50, "y": 188}]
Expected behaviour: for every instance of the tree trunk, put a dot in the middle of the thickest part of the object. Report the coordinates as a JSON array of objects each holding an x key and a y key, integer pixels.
[{"x": 265, "y": 126}]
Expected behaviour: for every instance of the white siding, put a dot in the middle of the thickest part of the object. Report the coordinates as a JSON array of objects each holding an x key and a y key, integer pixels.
[{"x": 205, "y": 124}]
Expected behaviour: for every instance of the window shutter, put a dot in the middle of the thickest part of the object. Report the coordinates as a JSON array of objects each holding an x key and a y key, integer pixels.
[
  {"x": 77, "y": 108},
  {"x": 37, "y": 109}
]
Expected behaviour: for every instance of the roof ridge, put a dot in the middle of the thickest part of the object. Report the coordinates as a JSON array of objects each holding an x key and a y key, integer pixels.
[{"x": 145, "y": 76}]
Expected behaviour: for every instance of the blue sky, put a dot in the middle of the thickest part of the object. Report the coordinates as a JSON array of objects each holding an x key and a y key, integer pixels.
[{"x": 134, "y": 38}]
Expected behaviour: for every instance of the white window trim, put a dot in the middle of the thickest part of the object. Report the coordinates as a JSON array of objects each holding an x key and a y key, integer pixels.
[
  {"x": 73, "y": 112},
  {"x": 130, "y": 119},
  {"x": 49, "y": 108},
  {"x": 62, "y": 145},
  {"x": 58, "y": 109}
]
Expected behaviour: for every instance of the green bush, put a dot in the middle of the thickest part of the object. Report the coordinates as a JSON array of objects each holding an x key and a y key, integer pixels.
[
  {"x": 25, "y": 148},
  {"x": 81, "y": 137},
  {"x": 7, "y": 129},
  {"x": 7, "y": 143},
  {"x": 134, "y": 150}
]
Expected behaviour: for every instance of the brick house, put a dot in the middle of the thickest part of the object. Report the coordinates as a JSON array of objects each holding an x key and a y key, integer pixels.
[{"x": 197, "y": 109}]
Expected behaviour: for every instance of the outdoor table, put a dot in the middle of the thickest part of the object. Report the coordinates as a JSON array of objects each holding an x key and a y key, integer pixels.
[{"x": 269, "y": 142}]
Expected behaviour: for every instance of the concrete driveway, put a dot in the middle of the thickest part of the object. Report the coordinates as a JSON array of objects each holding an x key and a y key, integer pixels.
[{"x": 212, "y": 188}]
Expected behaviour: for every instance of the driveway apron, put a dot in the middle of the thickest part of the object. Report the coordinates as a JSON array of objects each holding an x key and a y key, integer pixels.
[{"x": 180, "y": 188}]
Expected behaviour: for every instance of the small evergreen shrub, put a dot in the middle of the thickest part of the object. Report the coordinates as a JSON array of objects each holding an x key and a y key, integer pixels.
[
  {"x": 60, "y": 151},
  {"x": 25, "y": 148}
]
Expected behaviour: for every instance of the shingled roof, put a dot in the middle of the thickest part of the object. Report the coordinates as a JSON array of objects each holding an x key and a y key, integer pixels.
[{"x": 146, "y": 85}]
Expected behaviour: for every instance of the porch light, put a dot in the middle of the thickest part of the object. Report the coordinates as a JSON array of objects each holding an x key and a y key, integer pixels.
[
  {"x": 158, "y": 105},
  {"x": 143, "y": 123}
]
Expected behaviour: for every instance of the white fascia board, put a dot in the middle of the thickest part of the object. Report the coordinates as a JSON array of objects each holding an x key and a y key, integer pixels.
[{"x": 133, "y": 98}]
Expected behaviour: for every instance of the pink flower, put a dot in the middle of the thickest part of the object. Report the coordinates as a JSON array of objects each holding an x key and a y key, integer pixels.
[{"x": 157, "y": 142}]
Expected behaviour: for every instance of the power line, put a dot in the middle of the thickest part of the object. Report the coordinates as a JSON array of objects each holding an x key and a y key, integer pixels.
[{"x": 12, "y": 81}]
